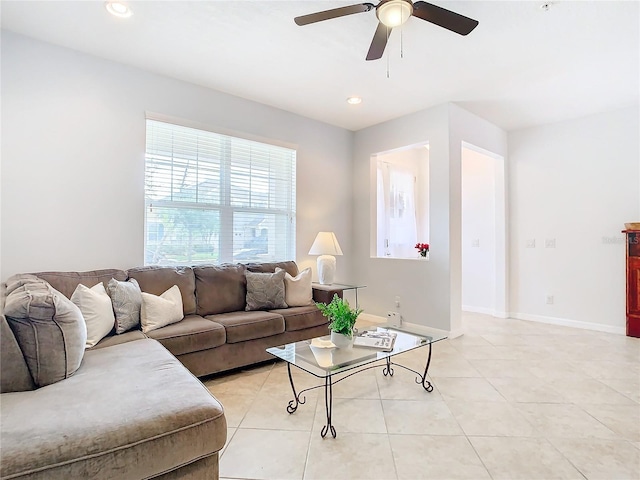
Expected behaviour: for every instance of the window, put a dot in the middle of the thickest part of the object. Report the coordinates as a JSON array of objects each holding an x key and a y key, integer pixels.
[
  {"x": 212, "y": 198},
  {"x": 402, "y": 205}
]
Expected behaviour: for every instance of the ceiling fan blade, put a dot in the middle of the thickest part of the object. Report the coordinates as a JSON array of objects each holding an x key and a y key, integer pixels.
[
  {"x": 333, "y": 13},
  {"x": 445, "y": 18},
  {"x": 379, "y": 41}
]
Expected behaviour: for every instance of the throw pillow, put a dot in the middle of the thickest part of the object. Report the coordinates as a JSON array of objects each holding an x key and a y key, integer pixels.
[
  {"x": 126, "y": 298},
  {"x": 49, "y": 329},
  {"x": 265, "y": 290},
  {"x": 14, "y": 371},
  {"x": 95, "y": 305},
  {"x": 157, "y": 312},
  {"x": 297, "y": 290}
]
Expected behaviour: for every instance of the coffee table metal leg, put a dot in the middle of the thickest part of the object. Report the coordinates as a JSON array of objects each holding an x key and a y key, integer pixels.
[
  {"x": 297, "y": 400},
  {"x": 388, "y": 370},
  {"x": 328, "y": 403},
  {"x": 426, "y": 384}
]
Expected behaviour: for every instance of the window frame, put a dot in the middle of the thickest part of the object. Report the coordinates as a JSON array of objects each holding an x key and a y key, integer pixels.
[{"x": 280, "y": 182}]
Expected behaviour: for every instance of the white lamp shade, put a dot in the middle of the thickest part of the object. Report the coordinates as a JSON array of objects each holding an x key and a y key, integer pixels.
[{"x": 325, "y": 243}]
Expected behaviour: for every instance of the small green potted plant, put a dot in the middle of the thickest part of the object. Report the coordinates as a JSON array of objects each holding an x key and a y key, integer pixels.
[{"x": 342, "y": 320}]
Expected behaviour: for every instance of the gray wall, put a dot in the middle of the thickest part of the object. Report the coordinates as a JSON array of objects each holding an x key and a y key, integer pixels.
[{"x": 73, "y": 141}]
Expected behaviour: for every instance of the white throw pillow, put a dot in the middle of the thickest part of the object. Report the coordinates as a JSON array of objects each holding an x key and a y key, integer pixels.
[
  {"x": 297, "y": 290},
  {"x": 157, "y": 312},
  {"x": 95, "y": 305}
]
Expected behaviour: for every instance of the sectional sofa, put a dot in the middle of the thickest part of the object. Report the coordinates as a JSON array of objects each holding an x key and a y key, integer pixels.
[{"x": 132, "y": 410}]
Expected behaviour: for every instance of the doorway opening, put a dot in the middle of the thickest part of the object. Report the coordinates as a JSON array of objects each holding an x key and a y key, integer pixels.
[{"x": 483, "y": 232}]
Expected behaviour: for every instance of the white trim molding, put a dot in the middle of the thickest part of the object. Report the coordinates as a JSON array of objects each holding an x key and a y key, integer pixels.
[{"x": 565, "y": 322}]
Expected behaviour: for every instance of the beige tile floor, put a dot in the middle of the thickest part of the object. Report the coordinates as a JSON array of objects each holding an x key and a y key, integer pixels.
[{"x": 512, "y": 400}]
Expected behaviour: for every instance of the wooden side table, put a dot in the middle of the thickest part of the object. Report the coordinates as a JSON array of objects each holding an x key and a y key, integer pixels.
[{"x": 633, "y": 282}]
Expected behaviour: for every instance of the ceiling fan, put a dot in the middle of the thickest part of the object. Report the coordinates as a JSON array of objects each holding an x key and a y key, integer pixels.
[{"x": 393, "y": 13}]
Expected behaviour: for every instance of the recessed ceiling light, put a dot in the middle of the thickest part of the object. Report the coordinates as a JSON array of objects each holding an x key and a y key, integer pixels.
[
  {"x": 118, "y": 9},
  {"x": 354, "y": 100}
]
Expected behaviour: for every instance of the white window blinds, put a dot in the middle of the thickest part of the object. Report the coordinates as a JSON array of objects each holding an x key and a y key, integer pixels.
[{"x": 213, "y": 198}]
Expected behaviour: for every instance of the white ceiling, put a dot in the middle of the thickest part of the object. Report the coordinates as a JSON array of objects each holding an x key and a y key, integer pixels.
[{"x": 521, "y": 66}]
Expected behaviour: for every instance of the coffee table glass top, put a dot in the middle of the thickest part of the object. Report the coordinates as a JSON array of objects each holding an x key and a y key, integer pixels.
[{"x": 317, "y": 357}]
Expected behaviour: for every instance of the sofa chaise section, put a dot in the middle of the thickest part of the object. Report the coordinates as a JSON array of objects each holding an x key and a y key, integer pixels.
[{"x": 131, "y": 411}]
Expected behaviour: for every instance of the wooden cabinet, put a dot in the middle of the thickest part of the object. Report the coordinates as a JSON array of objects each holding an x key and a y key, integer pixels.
[{"x": 633, "y": 282}]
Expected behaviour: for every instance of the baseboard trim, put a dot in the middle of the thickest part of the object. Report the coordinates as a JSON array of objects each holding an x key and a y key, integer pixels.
[
  {"x": 472, "y": 309},
  {"x": 483, "y": 310},
  {"x": 372, "y": 318},
  {"x": 565, "y": 322},
  {"x": 458, "y": 332}
]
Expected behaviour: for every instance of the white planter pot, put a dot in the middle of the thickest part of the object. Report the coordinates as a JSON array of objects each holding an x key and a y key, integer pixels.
[{"x": 340, "y": 340}]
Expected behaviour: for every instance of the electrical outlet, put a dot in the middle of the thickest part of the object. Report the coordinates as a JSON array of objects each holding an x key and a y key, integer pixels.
[
  {"x": 550, "y": 243},
  {"x": 475, "y": 242},
  {"x": 394, "y": 318},
  {"x": 549, "y": 299},
  {"x": 531, "y": 243}
]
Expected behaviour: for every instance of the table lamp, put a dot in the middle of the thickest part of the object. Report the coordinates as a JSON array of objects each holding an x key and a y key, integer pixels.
[{"x": 326, "y": 245}]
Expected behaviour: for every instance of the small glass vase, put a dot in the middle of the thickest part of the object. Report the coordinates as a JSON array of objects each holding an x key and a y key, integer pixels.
[{"x": 424, "y": 255}]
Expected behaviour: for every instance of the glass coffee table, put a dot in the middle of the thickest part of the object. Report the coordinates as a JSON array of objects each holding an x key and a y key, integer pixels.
[{"x": 319, "y": 358}]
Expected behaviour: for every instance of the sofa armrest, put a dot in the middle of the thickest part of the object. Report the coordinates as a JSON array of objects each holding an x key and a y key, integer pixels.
[{"x": 325, "y": 293}]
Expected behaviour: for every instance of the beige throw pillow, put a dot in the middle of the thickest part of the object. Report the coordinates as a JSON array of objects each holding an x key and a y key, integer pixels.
[
  {"x": 161, "y": 311},
  {"x": 95, "y": 305},
  {"x": 298, "y": 292}
]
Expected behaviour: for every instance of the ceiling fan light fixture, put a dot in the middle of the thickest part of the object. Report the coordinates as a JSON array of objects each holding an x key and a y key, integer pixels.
[
  {"x": 118, "y": 9},
  {"x": 394, "y": 13},
  {"x": 354, "y": 100}
]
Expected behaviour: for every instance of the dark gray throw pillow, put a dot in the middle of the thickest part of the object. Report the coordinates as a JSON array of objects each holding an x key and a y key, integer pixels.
[
  {"x": 265, "y": 290},
  {"x": 126, "y": 298}
]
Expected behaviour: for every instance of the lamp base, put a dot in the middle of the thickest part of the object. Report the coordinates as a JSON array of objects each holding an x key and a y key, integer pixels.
[{"x": 326, "y": 269}]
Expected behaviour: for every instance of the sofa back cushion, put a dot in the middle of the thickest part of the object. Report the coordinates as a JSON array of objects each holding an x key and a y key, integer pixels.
[
  {"x": 290, "y": 267},
  {"x": 66, "y": 282},
  {"x": 49, "y": 329},
  {"x": 14, "y": 374},
  {"x": 220, "y": 288},
  {"x": 157, "y": 280}
]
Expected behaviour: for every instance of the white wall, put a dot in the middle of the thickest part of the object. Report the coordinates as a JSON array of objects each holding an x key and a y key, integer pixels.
[
  {"x": 576, "y": 182},
  {"x": 469, "y": 129},
  {"x": 422, "y": 286},
  {"x": 73, "y": 140},
  {"x": 478, "y": 232},
  {"x": 430, "y": 292}
]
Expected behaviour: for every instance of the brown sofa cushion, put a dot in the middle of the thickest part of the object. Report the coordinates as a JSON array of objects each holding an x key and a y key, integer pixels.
[
  {"x": 290, "y": 267},
  {"x": 14, "y": 376},
  {"x": 157, "y": 280},
  {"x": 242, "y": 326},
  {"x": 299, "y": 318},
  {"x": 192, "y": 334},
  {"x": 66, "y": 282},
  {"x": 49, "y": 329},
  {"x": 220, "y": 288}
]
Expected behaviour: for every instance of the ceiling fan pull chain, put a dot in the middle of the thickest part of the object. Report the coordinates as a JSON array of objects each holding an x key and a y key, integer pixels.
[
  {"x": 388, "y": 53},
  {"x": 387, "y": 64},
  {"x": 401, "y": 42}
]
